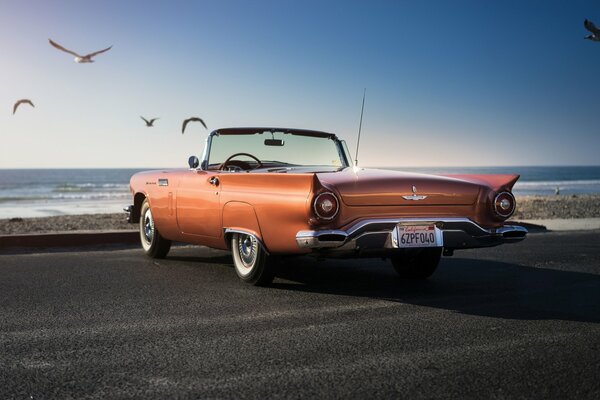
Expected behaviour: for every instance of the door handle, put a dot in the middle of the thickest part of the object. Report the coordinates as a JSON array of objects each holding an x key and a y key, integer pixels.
[{"x": 214, "y": 181}]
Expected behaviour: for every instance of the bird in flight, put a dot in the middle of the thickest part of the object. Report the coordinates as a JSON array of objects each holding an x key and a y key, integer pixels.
[
  {"x": 193, "y": 119},
  {"x": 595, "y": 36},
  {"x": 79, "y": 58},
  {"x": 22, "y": 101},
  {"x": 149, "y": 123}
]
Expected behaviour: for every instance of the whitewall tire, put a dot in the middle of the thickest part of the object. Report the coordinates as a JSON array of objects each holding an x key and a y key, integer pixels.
[
  {"x": 153, "y": 243},
  {"x": 252, "y": 263}
]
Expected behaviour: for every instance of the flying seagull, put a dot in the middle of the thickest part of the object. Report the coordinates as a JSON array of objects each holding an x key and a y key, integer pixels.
[
  {"x": 149, "y": 123},
  {"x": 19, "y": 102},
  {"x": 595, "y": 36},
  {"x": 79, "y": 58},
  {"x": 190, "y": 120}
]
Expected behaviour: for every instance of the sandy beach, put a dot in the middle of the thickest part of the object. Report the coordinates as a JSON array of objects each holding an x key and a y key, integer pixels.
[{"x": 528, "y": 208}]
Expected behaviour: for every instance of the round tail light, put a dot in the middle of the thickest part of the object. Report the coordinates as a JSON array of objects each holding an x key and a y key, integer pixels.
[
  {"x": 504, "y": 204},
  {"x": 326, "y": 206}
]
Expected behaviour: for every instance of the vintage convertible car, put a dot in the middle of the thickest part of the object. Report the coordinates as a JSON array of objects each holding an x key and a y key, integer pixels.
[{"x": 266, "y": 193}]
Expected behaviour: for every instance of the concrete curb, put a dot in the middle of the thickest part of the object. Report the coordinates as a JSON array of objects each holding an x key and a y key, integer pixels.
[
  {"x": 576, "y": 224},
  {"x": 69, "y": 239},
  {"x": 99, "y": 238}
]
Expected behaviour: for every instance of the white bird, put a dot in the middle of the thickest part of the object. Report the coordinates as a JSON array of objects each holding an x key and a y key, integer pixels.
[
  {"x": 149, "y": 123},
  {"x": 595, "y": 36},
  {"x": 196, "y": 119},
  {"x": 22, "y": 101},
  {"x": 79, "y": 58}
]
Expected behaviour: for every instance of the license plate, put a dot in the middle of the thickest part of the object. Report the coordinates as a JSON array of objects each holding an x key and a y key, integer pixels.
[{"x": 418, "y": 236}]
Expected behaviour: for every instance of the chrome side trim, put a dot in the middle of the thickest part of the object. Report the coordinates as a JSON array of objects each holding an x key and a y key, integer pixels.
[
  {"x": 205, "y": 152},
  {"x": 229, "y": 230}
]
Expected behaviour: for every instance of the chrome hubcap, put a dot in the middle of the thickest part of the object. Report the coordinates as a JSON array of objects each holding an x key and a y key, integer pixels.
[
  {"x": 148, "y": 226},
  {"x": 248, "y": 247}
]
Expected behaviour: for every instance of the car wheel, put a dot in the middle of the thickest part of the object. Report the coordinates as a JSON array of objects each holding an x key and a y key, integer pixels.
[
  {"x": 252, "y": 264},
  {"x": 418, "y": 264},
  {"x": 153, "y": 243}
]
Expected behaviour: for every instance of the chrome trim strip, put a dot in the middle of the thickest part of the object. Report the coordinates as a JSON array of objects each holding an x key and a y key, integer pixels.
[
  {"x": 229, "y": 230},
  {"x": 207, "y": 143}
]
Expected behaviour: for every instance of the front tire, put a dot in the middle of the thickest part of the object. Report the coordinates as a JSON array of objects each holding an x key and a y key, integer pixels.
[
  {"x": 252, "y": 263},
  {"x": 153, "y": 243},
  {"x": 418, "y": 263}
]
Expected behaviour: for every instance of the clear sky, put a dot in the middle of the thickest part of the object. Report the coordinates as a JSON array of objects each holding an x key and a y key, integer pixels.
[{"x": 449, "y": 83}]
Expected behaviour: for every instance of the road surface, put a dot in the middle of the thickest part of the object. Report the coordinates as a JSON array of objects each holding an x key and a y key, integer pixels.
[{"x": 516, "y": 321}]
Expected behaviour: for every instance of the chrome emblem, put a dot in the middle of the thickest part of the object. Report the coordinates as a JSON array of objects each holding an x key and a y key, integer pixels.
[{"x": 414, "y": 196}]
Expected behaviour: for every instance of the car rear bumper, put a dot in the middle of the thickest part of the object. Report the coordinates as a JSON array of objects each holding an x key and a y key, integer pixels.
[{"x": 378, "y": 235}]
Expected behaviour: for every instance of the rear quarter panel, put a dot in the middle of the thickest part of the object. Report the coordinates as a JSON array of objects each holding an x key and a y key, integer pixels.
[{"x": 280, "y": 203}]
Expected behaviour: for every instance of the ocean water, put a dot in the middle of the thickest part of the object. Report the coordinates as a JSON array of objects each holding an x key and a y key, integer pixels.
[
  {"x": 543, "y": 181},
  {"x": 49, "y": 192}
]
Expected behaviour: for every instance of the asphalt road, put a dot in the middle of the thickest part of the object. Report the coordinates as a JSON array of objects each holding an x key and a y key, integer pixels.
[{"x": 519, "y": 321}]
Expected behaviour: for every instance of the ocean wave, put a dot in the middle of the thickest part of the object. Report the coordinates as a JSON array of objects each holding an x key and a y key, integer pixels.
[
  {"x": 88, "y": 187},
  {"x": 65, "y": 197},
  {"x": 8, "y": 199},
  {"x": 581, "y": 182}
]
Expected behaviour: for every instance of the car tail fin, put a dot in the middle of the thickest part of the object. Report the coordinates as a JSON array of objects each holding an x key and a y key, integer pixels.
[{"x": 496, "y": 182}]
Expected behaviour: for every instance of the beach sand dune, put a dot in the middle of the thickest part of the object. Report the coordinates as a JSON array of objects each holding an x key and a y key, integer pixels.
[{"x": 528, "y": 208}]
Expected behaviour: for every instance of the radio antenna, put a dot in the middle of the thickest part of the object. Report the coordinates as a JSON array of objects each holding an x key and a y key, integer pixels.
[{"x": 360, "y": 127}]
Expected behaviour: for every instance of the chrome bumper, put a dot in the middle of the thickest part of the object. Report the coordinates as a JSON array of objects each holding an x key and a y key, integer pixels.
[{"x": 378, "y": 234}]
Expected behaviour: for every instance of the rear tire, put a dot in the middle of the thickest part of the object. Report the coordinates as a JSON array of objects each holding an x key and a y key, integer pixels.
[
  {"x": 153, "y": 243},
  {"x": 419, "y": 264},
  {"x": 252, "y": 263}
]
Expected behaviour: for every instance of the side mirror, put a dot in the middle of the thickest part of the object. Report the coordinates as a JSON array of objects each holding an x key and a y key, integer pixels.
[{"x": 193, "y": 162}]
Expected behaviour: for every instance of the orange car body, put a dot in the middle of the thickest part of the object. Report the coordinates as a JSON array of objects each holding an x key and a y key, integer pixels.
[{"x": 203, "y": 205}]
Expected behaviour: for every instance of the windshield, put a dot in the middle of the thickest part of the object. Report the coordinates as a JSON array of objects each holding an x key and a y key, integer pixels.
[{"x": 277, "y": 149}]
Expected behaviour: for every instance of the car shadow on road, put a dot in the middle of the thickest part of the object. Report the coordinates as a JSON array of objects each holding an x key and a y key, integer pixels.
[{"x": 469, "y": 286}]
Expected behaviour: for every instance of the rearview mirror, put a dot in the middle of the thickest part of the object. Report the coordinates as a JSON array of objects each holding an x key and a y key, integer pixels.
[
  {"x": 193, "y": 162},
  {"x": 274, "y": 142}
]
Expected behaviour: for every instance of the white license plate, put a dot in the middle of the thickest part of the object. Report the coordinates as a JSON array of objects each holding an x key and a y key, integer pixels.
[{"x": 418, "y": 236}]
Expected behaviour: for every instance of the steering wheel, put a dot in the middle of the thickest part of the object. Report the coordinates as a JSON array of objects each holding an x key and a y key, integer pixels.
[{"x": 240, "y": 164}]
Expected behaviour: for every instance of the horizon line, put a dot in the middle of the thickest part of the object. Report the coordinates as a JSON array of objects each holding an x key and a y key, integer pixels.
[{"x": 373, "y": 167}]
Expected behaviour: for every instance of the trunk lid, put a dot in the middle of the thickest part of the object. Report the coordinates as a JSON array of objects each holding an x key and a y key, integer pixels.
[{"x": 369, "y": 187}]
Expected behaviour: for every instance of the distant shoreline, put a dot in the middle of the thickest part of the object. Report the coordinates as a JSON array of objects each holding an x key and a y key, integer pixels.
[
  {"x": 362, "y": 166},
  {"x": 528, "y": 208},
  {"x": 40, "y": 193}
]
